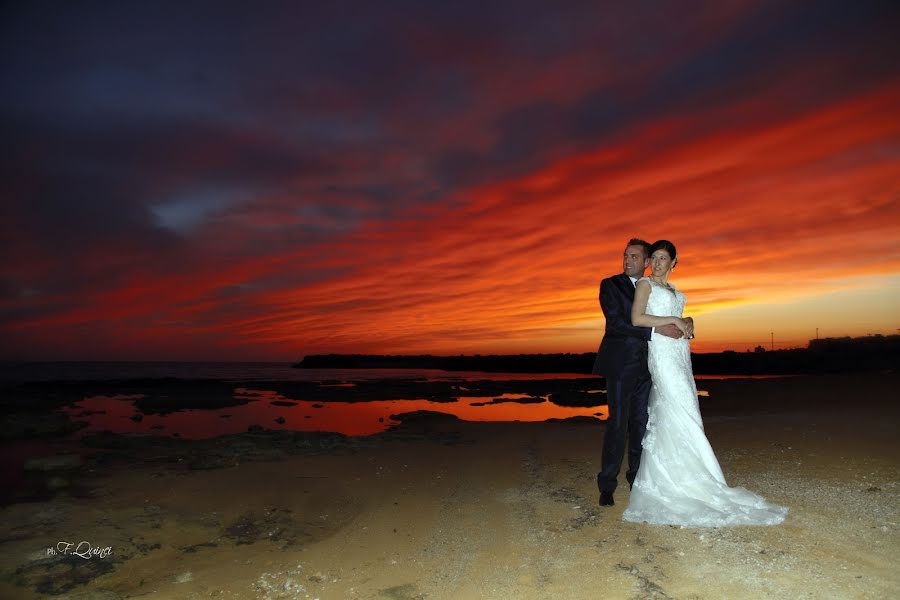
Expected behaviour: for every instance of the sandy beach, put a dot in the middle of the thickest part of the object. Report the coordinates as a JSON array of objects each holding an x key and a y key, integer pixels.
[{"x": 443, "y": 508}]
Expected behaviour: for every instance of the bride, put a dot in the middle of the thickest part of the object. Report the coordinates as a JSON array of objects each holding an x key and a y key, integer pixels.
[{"x": 679, "y": 481}]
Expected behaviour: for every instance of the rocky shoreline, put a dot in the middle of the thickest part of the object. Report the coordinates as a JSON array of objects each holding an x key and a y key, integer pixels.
[
  {"x": 436, "y": 507},
  {"x": 33, "y": 410}
]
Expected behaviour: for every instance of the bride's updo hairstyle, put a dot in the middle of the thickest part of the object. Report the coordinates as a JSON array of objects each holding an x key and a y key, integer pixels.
[{"x": 664, "y": 245}]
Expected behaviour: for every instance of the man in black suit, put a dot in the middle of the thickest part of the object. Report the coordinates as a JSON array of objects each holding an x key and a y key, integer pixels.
[{"x": 622, "y": 359}]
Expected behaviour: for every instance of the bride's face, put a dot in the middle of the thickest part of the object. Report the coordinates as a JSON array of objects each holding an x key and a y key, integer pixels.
[{"x": 661, "y": 263}]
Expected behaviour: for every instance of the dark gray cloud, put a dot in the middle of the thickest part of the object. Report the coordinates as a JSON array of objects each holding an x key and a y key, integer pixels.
[{"x": 160, "y": 137}]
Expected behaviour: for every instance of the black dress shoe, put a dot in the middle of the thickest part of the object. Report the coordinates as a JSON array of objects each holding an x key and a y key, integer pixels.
[{"x": 606, "y": 499}]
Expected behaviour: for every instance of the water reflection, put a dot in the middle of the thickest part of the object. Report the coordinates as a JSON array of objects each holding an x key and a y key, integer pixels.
[{"x": 118, "y": 413}]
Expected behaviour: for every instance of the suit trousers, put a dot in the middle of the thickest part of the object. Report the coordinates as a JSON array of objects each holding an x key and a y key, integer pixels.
[{"x": 627, "y": 394}]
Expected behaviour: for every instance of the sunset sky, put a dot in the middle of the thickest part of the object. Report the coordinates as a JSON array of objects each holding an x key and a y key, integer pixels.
[{"x": 266, "y": 180}]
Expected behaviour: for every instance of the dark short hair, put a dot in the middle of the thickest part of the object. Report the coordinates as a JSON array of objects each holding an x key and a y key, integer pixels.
[
  {"x": 641, "y": 243},
  {"x": 664, "y": 245}
]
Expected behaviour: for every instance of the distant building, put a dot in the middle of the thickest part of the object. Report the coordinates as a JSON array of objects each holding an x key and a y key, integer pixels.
[
  {"x": 870, "y": 343},
  {"x": 759, "y": 349}
]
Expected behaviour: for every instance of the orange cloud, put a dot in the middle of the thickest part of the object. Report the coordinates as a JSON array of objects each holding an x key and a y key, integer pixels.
[
  {"x": 783, "y": 214},
  {"x": 786, "y": 214}
]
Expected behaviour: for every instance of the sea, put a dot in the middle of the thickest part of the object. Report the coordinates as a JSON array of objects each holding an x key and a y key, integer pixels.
[
  {"x": 13, "y": 372},
  {"x": 259, "y": 405}
]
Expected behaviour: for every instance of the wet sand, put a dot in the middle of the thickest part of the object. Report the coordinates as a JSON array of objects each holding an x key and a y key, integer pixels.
[{"x": 442, "y": 508}]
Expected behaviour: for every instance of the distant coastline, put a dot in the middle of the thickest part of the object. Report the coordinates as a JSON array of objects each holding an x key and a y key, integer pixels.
[{"x": 871, "y": 353}]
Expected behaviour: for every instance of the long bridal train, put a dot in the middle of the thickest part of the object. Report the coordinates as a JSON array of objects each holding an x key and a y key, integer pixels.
[{"x": 680, "y": 481}]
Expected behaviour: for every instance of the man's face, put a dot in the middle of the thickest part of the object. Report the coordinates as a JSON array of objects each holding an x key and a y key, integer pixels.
[{"x": 634, "y": 261}]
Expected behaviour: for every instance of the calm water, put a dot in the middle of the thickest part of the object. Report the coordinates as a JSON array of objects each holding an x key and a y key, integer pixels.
[
  {"x": 118, "y": 413},
  {"x": 17, "y": 372},
  {"x": 22, "y": 371}
]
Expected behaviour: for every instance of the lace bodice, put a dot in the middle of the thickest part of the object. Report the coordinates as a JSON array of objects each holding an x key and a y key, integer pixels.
[{"x": 663, "y": 301}]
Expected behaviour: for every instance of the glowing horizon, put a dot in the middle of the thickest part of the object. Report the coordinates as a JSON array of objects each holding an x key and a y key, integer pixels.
[{"x": 467, "y": 200}]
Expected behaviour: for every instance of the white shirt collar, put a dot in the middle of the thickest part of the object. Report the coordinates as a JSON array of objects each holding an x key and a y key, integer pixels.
[{"x": 633, "y": 280}]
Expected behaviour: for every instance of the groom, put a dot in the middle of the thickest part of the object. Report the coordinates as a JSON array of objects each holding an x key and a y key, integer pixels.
[{"x": 622, "y": 359}]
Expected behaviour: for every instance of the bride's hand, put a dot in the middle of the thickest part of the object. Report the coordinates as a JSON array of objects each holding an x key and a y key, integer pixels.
[{"x": 682, "y": 325}]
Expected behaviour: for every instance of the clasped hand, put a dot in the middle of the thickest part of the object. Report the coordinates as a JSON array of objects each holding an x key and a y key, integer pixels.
[
  {"x": 678, "y": 329},
  {"x": 686, "y": 326}
]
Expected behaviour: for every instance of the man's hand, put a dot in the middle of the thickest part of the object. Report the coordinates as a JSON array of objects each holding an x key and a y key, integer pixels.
[
  {"x": 670, "y": 331},
  {"x": 690, "y": 327}
]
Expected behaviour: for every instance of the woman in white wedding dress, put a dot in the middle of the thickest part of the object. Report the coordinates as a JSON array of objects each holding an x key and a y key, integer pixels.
[{"x": 679, "y": 481}]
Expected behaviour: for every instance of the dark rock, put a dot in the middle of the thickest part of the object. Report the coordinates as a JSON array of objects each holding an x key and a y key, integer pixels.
[
  {"x": 57, "y": 483},
  {"x": 243, "y": 531},
  {"x": 419, "y": 417},
  {"x": 281, "y": 420},
  {"x": 275, "y": 525},
  {"x": 56, "y": 575},
  {"x": 525, "y": 400},
  {"x": 55, "y": 463},
  {"x": 196, "y": 547},
  {"x": 578, "y": 419},
  {"x": 207, "y": 462},
  {"x": 157, "y": 395},
  {"x": 111, "y": 440},
  {"x": 94, "y": 595},
  {"x": 166, "y": 395},
  {"x": 578, "y": 398},
  {"x": 408, "y": 591},
  {"x": 30, "y": 425}
]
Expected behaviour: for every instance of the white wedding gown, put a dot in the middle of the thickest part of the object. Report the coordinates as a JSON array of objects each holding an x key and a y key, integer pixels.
[{"x": 679, "y": 481}]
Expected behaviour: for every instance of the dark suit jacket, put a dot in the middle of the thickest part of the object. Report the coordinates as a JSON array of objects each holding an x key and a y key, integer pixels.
[{"x": 623, "y": 344}]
